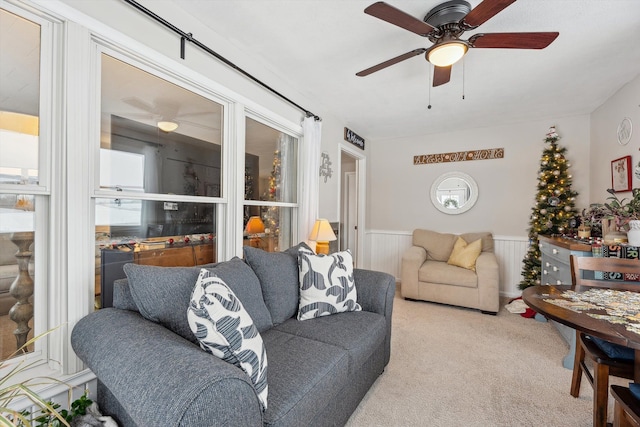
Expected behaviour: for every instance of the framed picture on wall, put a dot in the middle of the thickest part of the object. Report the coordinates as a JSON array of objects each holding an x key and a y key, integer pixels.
[{"x": 621, "y": 174}]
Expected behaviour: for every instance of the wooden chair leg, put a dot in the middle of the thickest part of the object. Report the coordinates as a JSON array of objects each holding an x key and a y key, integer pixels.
[
  {"x": 577, "y": 367},
  {"x": 600, "y": 395}
]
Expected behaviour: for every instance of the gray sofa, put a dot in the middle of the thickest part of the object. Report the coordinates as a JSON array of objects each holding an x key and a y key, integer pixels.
[{"x": 152, "y": 372}]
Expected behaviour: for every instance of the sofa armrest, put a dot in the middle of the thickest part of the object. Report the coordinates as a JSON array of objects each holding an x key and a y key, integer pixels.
[
  {"x": 412, "y": 260},
  {"x": 375, "y": 291},
  {"x": 375, "y": 294},
  {"x": 158, "y": 377},
  {"x": 488, "y": 282}
]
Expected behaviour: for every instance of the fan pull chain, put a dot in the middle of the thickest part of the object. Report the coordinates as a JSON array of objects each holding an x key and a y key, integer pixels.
[
  {"x": 429, "y": 84},
  {"x": 463, "y": 78}
]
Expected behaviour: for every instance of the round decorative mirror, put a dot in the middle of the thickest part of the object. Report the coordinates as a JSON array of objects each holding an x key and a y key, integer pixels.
[{"x": 454, "y": 193}]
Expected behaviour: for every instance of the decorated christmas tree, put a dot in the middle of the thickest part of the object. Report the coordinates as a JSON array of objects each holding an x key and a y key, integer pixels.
[
  {"x": 554, "y": 206},
  {"x": 271, "y": 217}
]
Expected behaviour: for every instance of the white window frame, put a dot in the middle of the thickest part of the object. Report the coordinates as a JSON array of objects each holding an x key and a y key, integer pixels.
[
  {"x": 45, "y": 200},
  {"x": 279, "y": 125}
]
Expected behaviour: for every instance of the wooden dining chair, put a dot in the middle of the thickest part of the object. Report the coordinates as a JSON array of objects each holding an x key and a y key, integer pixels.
[
  {"x": 608, "y": 358},
  {"x": 626, "y": 410}
]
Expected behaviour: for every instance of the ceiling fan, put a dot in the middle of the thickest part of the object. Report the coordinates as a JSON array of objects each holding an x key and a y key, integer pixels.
[{"x": 443, "y": 26}]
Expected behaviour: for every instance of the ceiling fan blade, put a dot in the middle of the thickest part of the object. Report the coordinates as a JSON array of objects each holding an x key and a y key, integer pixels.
[
  {"x": 441, "y": 75},
  {"x": 390, "y": 62},
  {"x": 386, "y": 12},
  {"x": 513, "y": 40},
  {"x": 485, "y": 11},
  {"x": 140, "y": 104}
]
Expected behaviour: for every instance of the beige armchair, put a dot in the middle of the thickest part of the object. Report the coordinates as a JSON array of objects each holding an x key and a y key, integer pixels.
[{"x": 427, "y": 276}]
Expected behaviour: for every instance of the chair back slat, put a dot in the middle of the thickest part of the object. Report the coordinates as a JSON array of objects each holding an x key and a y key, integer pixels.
[{"x": 613, "y": 266}]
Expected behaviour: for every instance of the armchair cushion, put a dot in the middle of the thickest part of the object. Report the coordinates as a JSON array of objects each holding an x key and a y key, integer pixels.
[
  {"x": 441, "y": 272},
  {"x": 465, "y": 254},
  {"x": 438, "y": 245}
]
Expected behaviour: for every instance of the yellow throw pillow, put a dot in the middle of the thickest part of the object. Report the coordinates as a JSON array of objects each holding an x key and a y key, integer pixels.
[{"x": 465, "y": 254}]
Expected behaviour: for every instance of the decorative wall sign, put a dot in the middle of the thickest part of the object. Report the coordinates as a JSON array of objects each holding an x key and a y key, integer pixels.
[
  {"x": 354, "y": 138},
  {"x": 459, "y": 156},
  {"x": 325, "y": 167}
]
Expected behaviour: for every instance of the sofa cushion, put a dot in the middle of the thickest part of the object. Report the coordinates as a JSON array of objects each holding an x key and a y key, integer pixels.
[
  {"x": 443, "y": 273},
  {"x": 302, "y": 373},
  {"x": 224, "y": 328},
  {"x": 162, "y": 294},
  {"x": 465, "y": 254},
  {"x": 487, "y": 239},
  {"x": 360, "y": 333},
  {"x": 278, "y": 275},
  {"x": 437, "y": 245},
  {"x": 326, "y": 284}
]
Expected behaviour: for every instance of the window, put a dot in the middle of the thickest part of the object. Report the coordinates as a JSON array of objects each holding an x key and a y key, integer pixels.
[
  {"x": 159, "y": 184},
  {"x": 23, "y": 193},
  {"x": 271, "y": 186}
]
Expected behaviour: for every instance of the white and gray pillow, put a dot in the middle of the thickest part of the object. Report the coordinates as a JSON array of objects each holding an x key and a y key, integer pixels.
[
  {"x": 326, "y": 284},
  {"x": 224, "y": 328}
]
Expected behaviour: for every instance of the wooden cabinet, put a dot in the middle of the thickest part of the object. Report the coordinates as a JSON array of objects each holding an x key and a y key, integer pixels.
[{"x": 556, "y": 270}]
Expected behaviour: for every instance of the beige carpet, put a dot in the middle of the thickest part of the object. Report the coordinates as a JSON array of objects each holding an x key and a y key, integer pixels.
[{"x": 457, "y": 367}]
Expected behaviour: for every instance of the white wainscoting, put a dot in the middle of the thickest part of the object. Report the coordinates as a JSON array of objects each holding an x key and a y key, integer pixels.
[{"x": 384, "y": 251}]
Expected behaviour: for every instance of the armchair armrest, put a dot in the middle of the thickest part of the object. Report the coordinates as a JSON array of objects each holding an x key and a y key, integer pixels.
[
  {"x": 136, "y": 360},
  {"x": 412, "y": 260},
  {"x": 488, "y": 281}
]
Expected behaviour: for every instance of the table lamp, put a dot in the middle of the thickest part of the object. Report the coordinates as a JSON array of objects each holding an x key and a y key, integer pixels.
[
  {"x": 322, "y": 234},
  {"x": 254, "y": 227}
]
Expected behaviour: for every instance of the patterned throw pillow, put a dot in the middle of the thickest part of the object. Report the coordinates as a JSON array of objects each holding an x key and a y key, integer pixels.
[
  {"x": 224, "y": 329},
  {"x": 326, "y": 284}
]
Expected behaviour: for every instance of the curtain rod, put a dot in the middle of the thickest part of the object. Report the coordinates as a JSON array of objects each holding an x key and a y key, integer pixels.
[{"x": 189, "y": 37}]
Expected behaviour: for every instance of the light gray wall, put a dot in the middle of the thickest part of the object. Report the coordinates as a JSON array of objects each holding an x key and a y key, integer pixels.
[
  {"x": 604, "y": 144},
  {"x": 399, "y": 192}
]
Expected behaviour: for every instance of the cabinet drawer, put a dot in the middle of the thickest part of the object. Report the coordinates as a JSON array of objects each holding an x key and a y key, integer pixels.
[{"x": 555, "y": 252}]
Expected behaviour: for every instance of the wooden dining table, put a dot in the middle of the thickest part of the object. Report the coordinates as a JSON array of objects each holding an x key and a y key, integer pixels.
[{"x": 537, "y": 298}]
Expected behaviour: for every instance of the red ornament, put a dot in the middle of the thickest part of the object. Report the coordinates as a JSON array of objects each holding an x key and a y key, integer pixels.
[
  {"x": 171, "y": 241},
  {"x": 186, "y": 239}
]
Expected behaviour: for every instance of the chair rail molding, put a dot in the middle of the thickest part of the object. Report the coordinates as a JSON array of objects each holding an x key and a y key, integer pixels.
[{"x": 386, "y": 247}]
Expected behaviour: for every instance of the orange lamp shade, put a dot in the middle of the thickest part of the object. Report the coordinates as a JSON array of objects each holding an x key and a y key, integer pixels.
[{"x": 254, "y": 225}]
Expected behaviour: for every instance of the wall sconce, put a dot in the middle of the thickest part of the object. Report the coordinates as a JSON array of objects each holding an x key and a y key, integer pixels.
[
  {"x": 322, "y": 234},
  {"x": 254, "y": 227}
]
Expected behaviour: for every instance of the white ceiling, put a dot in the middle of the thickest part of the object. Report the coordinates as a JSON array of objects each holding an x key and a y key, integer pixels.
[{"x": 313, "y": 48}]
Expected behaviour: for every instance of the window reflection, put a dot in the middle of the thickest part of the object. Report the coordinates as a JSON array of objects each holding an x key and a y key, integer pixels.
[
  {"x": 184, "y": 158},
  {"x": 20, "y": 100},
  {"x": 150, "y": 233},
  {"x": 270, "y": 164},
  {"x": 19, "y": 151},
  {"x": 276, "y": 233}
]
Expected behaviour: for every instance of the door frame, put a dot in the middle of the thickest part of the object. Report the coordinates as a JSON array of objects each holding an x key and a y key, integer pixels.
[{"x": 361, "y": 180}]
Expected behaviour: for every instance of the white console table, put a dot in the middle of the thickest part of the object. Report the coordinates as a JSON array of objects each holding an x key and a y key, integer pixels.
[{"x": 556, "y": 270}]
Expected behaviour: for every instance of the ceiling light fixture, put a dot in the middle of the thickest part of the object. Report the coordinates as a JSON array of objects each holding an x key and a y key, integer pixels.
[
  {"x": 447, "y": 53},
  {"x": 167, "y": 126}
]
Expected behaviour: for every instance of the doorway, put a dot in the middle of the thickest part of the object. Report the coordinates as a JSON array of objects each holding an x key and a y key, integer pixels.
[{"x": 352, "y": 202}]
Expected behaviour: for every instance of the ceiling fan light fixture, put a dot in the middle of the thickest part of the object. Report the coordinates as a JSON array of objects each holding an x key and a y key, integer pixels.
[
  {"x": 446, "y": 54},
  {"x": 166, "y": 126}
]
